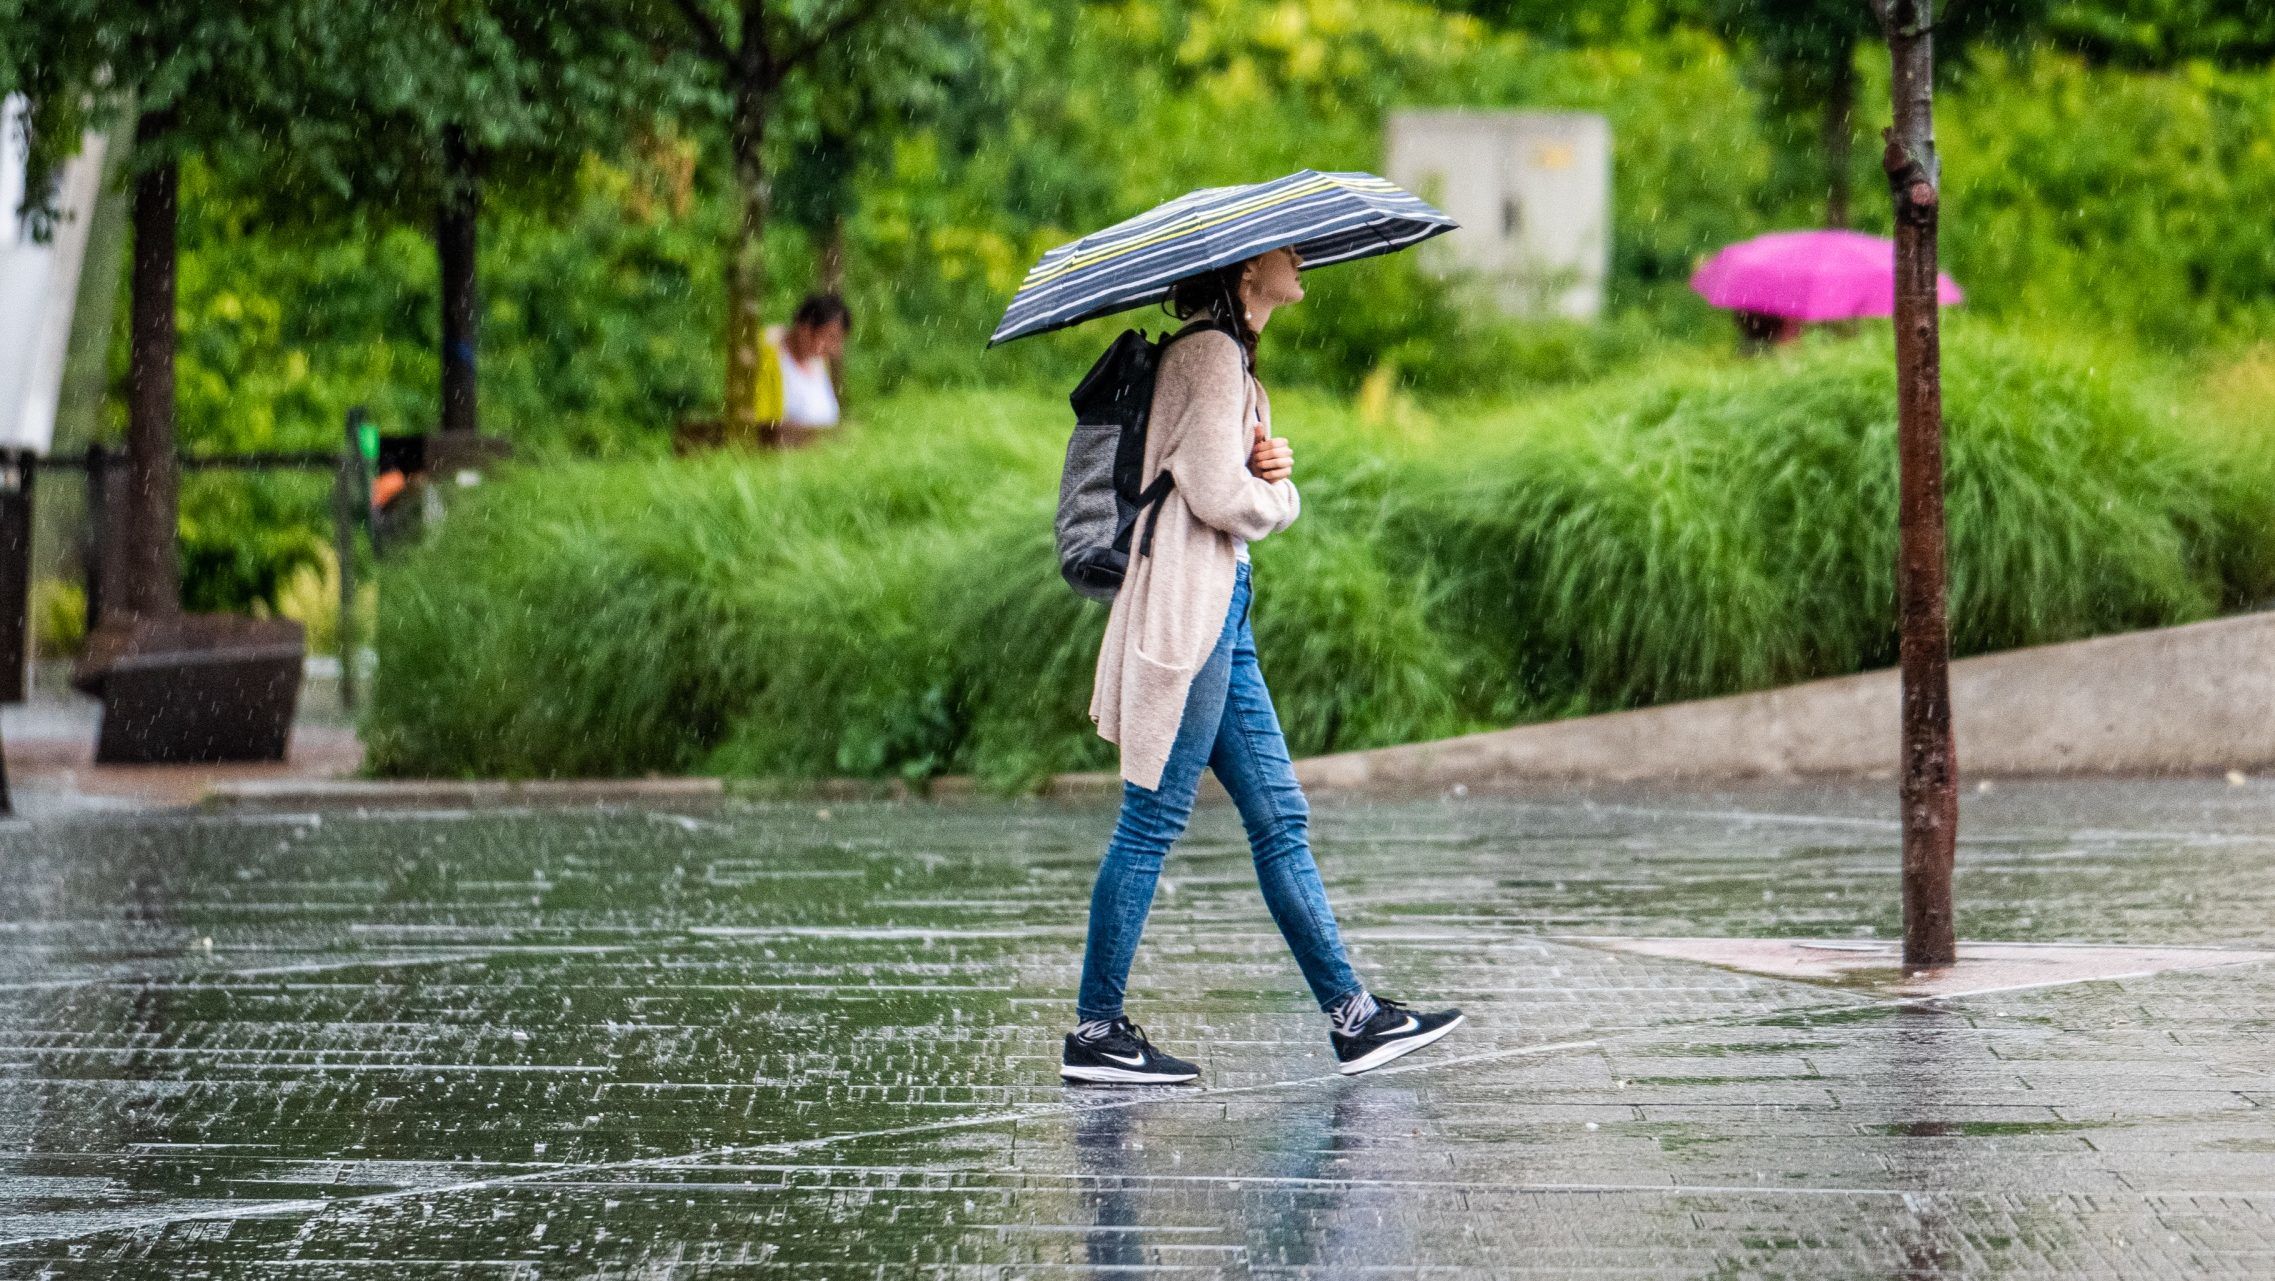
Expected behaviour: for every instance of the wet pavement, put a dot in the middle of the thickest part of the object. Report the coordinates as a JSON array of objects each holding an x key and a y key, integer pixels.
[
  {"x": 766, "y": 1040},
  {"x": 49, "y": 744}
]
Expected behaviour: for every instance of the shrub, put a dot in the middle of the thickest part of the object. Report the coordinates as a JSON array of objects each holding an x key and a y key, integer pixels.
[
  {"x": 887, "y": 604},
  {"x": 58, "y": 618},
  {"x": 1709, "y": 529},
  {"x": 610, "y": 618}
]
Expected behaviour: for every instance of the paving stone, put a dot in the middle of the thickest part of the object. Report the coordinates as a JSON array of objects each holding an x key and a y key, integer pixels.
[{"x": 780, "y": 1040}]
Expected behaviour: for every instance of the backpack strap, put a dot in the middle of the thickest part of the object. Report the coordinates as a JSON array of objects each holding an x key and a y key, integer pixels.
[
  {"x": 1204, "y": 325},
  {"x": 1150, "y": 498}
]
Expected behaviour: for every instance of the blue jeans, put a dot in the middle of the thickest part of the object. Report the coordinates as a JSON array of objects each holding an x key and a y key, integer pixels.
[{"x": 1229, "y": 726}]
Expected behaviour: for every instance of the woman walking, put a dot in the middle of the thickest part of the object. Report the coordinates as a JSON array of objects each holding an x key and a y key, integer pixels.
[{"x": 1178, "y": 687}]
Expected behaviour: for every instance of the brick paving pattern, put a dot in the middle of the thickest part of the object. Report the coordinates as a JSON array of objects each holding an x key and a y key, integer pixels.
[{"x": 773, "y": 1041}]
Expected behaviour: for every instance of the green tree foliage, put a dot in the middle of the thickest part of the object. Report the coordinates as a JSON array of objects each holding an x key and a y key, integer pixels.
[
  {"x": 1592, "y": 22},
  {"x": 1082, "y": 115},
  {"x": 504, "y": 97},
  {"x": 214, "y": 76},
  {"x": 753, "y": 56},
  {"x": 843, "y": 119},
  {"x": 192, "y": 78},
  {"x": 2162, "y": 34},
  {"x": 332, "y": 116},
  {"x": 2081, "y": 196},
  {"x": 1803, "y": 56},
  {"x": 2139, "y": 223}
]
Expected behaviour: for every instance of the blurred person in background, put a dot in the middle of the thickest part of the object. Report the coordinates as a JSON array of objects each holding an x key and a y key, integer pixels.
[{"x": 807, "y": 352}]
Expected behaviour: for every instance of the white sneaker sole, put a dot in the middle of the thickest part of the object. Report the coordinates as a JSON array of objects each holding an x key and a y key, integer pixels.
[
  {"x": 1122, "y": 1076},
  {"x": 1398, "y": 1049}
]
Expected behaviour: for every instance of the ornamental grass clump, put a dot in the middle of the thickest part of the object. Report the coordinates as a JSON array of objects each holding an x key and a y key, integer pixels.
[
  {"x": 888, "y": 604},
  {"x": 625, "y": 617},
  {"x": 1704, "y": 530}
]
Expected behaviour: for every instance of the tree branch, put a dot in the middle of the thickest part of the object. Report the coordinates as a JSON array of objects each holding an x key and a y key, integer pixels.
[
  {"x": 861, "y": 12},
  {"x": 707, "y": 33}
]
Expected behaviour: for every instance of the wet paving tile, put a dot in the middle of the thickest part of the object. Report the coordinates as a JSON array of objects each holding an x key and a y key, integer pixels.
[{"x": 775, "y": 1040}]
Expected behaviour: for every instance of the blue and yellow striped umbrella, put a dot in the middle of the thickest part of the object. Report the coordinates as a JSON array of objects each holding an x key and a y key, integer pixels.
[{"x": 1326, "y": 217}]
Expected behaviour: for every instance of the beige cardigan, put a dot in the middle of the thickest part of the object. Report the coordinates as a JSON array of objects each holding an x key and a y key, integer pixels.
[{"x": 1171, "y": 607}]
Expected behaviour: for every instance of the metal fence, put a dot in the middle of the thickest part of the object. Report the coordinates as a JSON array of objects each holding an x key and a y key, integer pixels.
[{"x": 100, "y": 469}]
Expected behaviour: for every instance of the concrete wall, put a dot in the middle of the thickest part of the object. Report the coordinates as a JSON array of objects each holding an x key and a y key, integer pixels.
[
  {"x": 1532, "y": 192},
  {"x": 2173, "y": 700}
]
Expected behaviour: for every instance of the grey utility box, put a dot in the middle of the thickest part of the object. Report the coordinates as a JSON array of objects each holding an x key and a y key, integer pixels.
[{"x": 1532, "y": 192}]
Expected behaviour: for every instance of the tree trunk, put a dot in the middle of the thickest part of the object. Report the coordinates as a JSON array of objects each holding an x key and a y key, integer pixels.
[
  {"x": 746, "y": 262},
  {"x": 455, "y": 231},
  {"x": 1929, "y": 786},
  {"x": 833, "y": 256},
  {"x": 833, "y": 282},
  {"x": 149, "y": 504},
  {"x": 1839, "y": 131}
]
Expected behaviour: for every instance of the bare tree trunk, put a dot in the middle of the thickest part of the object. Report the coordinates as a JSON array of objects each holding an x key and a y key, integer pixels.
[
  {"x": 746, "y": 258},
  {"x": 833, "y": 256},
  {"x": 456, "y": 229},
  {"x": 1929, "y": 786},
  {"x": 149, "y": 507},
  {"x": 833, "y": 281},
  {"x": 1839, "y": 130}
]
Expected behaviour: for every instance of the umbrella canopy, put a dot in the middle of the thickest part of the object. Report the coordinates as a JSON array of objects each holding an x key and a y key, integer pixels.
[
  {"x": 1809, "y": 275},
  {"x": 1324, "y": 217}
]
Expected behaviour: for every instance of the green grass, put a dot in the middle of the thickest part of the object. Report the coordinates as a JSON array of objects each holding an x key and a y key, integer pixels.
[{"x": 888, "y": 605}]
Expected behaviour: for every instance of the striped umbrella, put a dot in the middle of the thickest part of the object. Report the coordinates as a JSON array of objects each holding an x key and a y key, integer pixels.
[{"x": 1325, "y": 217}]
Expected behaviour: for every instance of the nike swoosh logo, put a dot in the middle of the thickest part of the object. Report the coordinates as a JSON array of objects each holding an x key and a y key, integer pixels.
[
  {"x": 1411, "y": 1024},
  {"x": 1139, "y": 1061}
]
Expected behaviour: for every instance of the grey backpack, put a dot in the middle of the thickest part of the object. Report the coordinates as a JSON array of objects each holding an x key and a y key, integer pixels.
[{"x": 1100, "y": 500}]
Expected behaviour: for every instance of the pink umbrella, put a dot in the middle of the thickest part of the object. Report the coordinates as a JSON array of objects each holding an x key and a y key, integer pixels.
[{"x": 1809, "y": 276}]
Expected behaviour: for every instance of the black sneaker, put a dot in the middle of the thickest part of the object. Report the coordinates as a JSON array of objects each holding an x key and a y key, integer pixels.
[
  {"x": 1393, "y": 1031},
  {"x": 1122, "y": 1057}
]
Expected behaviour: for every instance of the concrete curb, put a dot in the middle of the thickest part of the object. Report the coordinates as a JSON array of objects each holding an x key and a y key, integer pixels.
[
  {"x": 2175, "y": 700},
  {"x": 324, "y": 794},
  {"x": 947, "y": 787}
]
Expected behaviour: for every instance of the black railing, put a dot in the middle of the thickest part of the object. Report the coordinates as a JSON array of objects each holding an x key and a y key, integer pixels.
[
  {"x": 351, "y": 504},
  {"x": 352, "y": 469}
]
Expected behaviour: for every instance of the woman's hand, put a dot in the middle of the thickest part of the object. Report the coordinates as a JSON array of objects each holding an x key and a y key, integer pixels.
[{"x": 1270, "y": 458}]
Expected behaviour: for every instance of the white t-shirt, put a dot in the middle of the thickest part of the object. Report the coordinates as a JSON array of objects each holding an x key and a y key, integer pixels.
[{"x": 808, "y": 399}]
